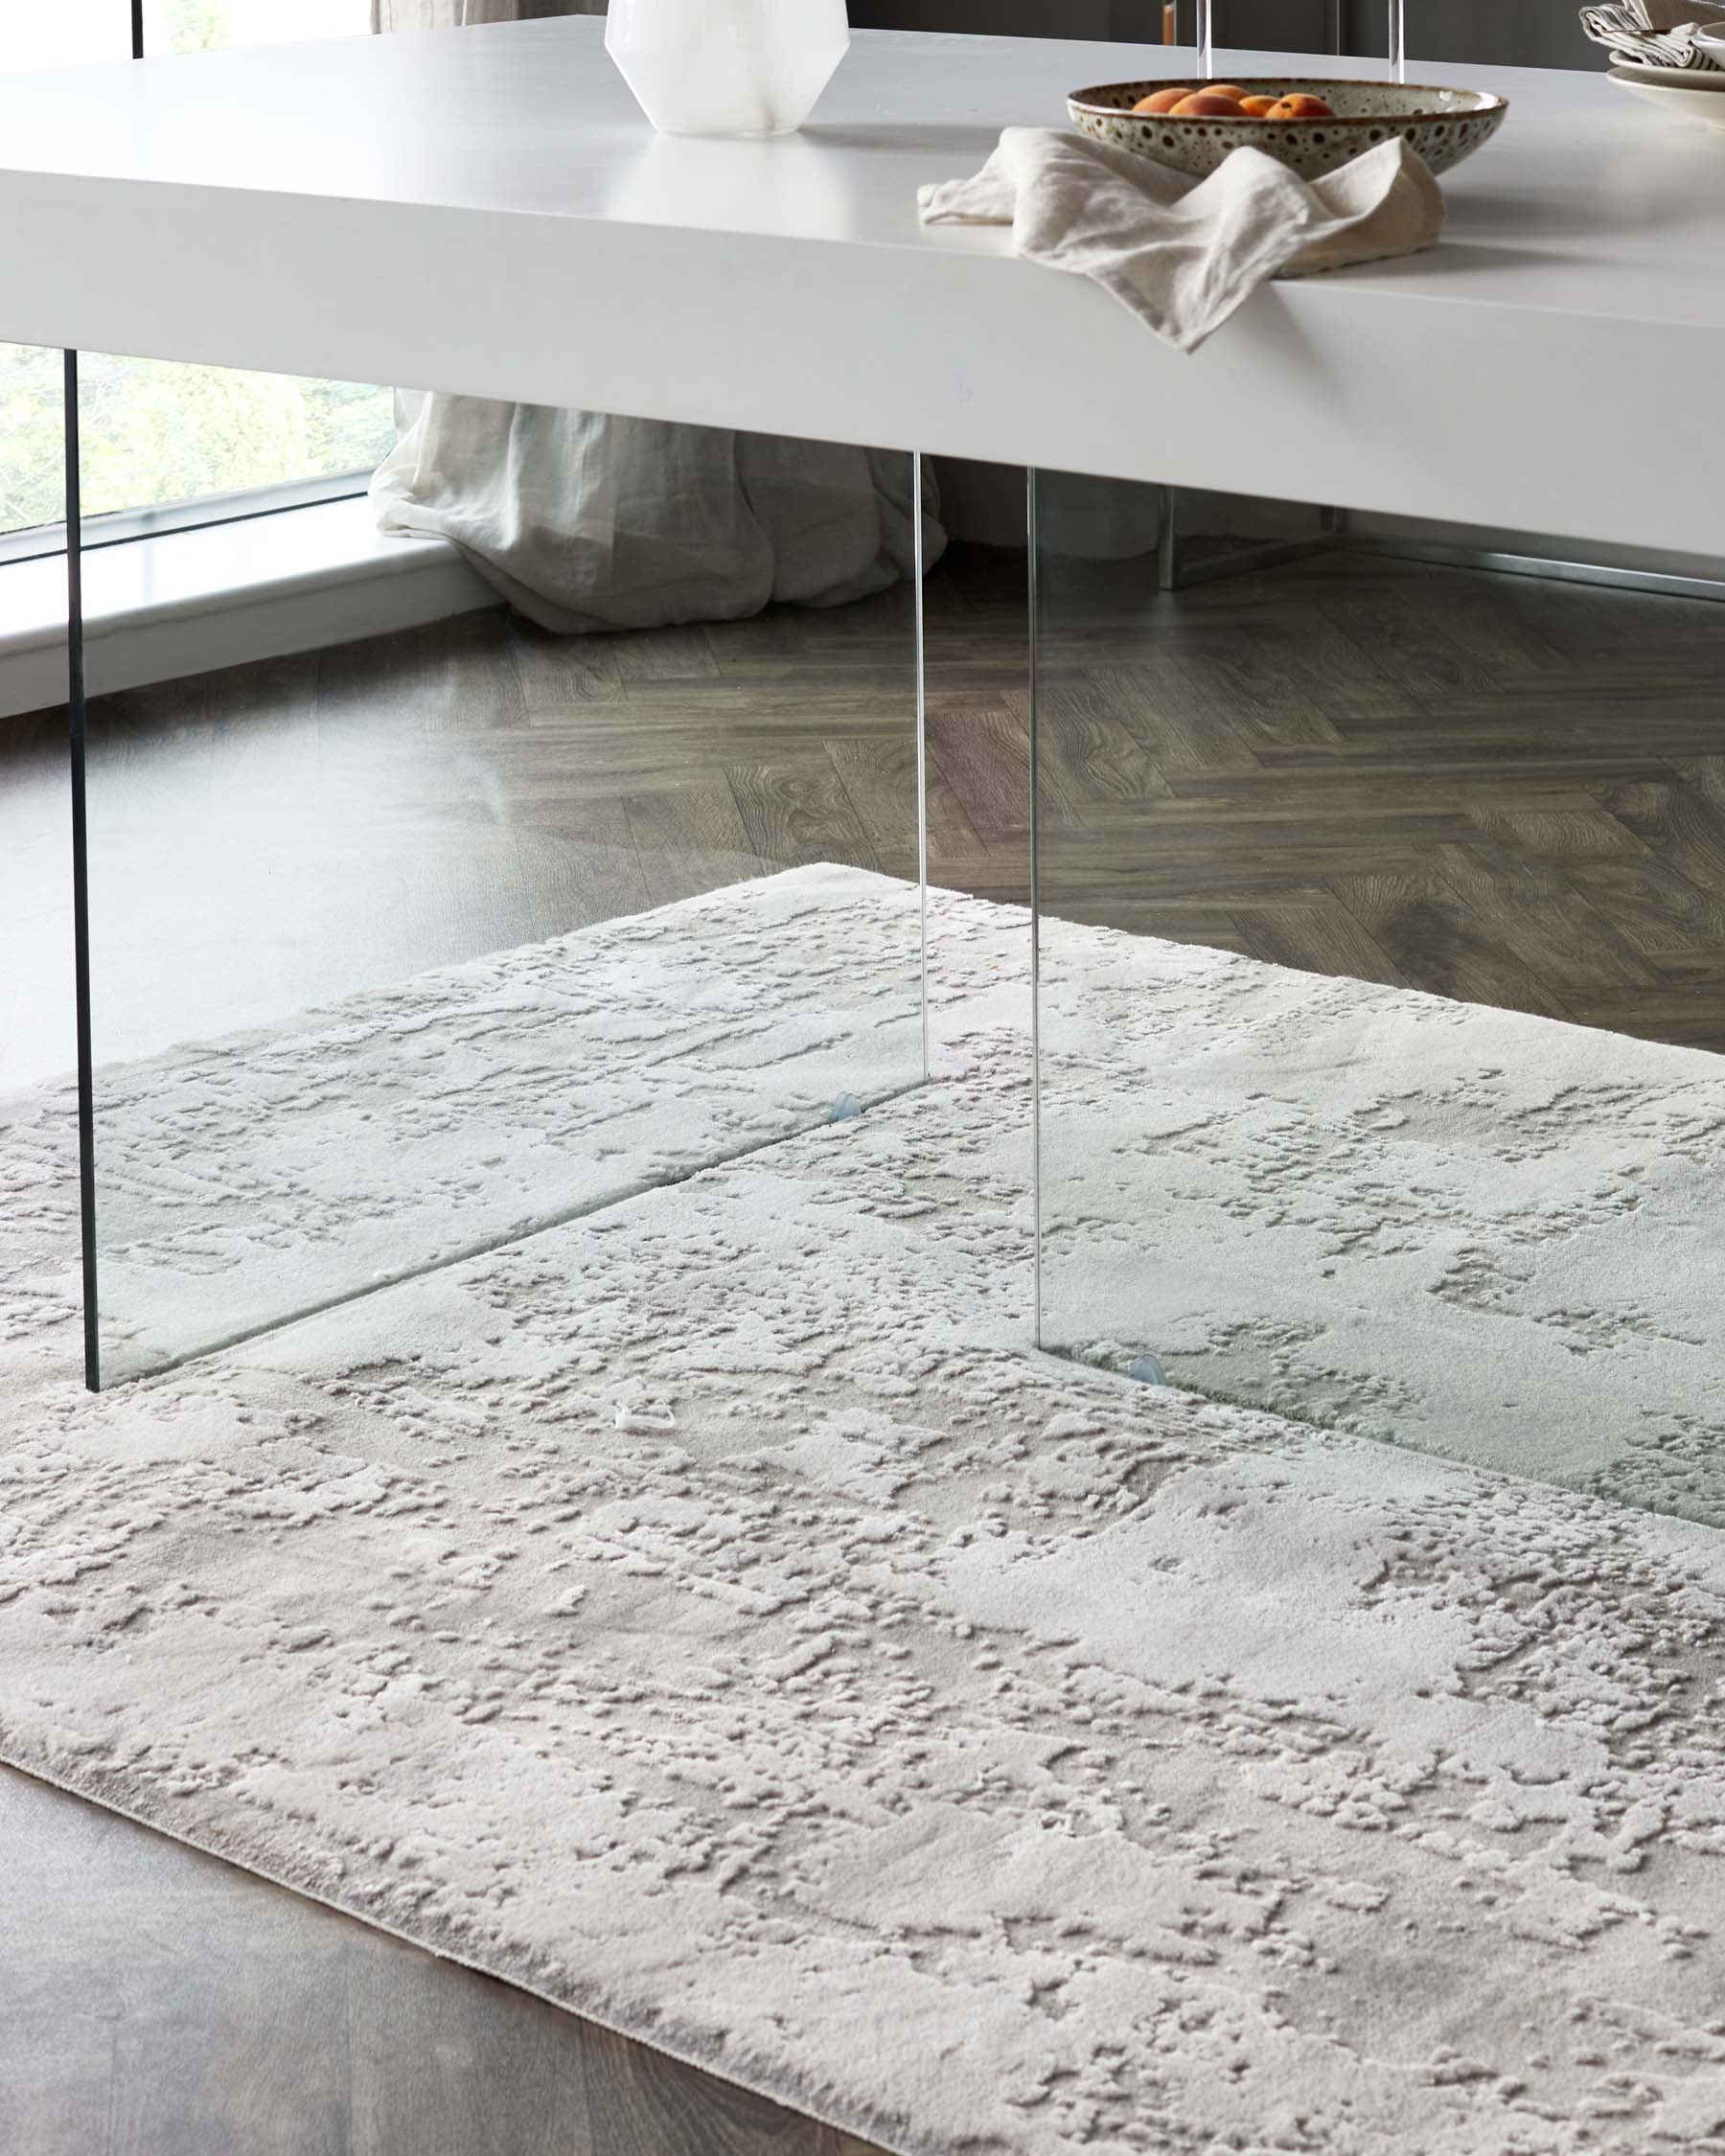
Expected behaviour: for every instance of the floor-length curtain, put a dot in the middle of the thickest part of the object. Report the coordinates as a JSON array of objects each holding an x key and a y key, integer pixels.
[{"x": 585, "y": 521}]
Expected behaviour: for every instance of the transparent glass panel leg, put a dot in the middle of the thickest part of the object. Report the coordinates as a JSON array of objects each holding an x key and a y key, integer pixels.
[
  {"x": 489, "y": 915},
  {"x": 77, "y": 742},
  {"x": 1376, "y": 992}
]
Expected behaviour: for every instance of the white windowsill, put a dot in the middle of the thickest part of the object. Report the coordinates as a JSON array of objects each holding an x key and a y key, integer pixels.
[{"x": 184, "y": 602}]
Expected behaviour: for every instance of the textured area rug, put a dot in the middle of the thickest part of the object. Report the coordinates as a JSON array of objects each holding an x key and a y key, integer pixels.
[
  {"x": 1495, "y": 1236},
  {"x": 253, "y": 1178},
  {"x": 1487, "y": 1235},
  {"x": 708, "y": 1614}
]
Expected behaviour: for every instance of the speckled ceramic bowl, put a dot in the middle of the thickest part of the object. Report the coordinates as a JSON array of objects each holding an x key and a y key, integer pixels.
[{"x": 1444, "y": 125}]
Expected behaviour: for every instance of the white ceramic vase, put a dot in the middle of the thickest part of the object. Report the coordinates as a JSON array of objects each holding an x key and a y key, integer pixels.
[{"x": 727, "y": 67}]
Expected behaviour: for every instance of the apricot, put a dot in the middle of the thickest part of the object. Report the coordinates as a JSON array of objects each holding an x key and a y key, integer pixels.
[
  {"x": 1205, "y": 104},
  {"x": 1299, "y": 106},
  {"x": 1162, "y": 101},
  {"x": 1225, "y": 90},
  {"x": 1256, "y": 108}
]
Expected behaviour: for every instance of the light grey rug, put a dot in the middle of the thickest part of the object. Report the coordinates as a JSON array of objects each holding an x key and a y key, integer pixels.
[
  {"x": 1494, "y": 1237},
  {"x": 268, "y": 1174},
  {"x": 710, "y": 1614},
  {"x": 1483, "y": 1235}
]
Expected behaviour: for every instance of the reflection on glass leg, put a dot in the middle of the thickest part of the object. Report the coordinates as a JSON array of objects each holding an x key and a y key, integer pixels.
[
  {"x": 413, "y": 944},
  {"x": 1377, "y": 1024},
  {"x": 77, "y": 738}
]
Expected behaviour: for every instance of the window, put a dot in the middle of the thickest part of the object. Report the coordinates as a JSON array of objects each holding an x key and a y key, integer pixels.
[
  {"x": 208, "y": 26},
  {"x": 153, "y": 432}
]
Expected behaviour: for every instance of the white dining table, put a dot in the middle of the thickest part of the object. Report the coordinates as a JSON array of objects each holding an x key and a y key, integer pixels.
[{"x": 487, "y": 211}]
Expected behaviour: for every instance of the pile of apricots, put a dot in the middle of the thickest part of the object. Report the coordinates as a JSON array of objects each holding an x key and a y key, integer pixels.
[{"x": 1224, "y": 101}]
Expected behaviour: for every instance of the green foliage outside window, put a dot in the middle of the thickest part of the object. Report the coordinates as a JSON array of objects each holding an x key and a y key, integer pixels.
[
  {"x": 197, "y": 26},
  {"x": 156, "y": 432}
]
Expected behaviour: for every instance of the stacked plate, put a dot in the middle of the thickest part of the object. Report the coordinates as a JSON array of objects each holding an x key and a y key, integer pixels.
[{"x": 1688, "y": 93}]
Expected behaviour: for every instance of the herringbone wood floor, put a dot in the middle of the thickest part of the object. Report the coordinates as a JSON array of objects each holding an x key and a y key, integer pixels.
[{"x": 1502, "y": 789}]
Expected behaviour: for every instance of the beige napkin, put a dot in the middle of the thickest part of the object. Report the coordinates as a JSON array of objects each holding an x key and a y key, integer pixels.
[
  {"x": 1654, "y": 33},
  {"x": 1181, "y": 253}
]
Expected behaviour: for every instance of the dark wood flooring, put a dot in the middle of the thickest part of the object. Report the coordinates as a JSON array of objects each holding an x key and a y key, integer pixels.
[
  {"x": 1501, "y": 789},
  {"x": 1507, "y": 790},
  {"x": 1498, "y": 788}
]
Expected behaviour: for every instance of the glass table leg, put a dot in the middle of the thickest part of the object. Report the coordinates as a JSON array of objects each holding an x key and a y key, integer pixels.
[
  {"x": 1373, "y": 984},
  {"x": 419, "y": 942},
  {"x": 77, "y": 736}
]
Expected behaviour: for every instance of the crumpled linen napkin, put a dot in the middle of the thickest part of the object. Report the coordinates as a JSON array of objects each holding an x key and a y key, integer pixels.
[
  {"x": 1182, "y": 253},
  {"x": 1654, "y": 33}
]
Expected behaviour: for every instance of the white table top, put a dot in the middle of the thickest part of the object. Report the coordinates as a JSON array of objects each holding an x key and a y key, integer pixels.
[{"x": 487, "y": 211}]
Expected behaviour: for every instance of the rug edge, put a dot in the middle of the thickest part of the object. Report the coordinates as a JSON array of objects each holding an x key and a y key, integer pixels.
[{"x": 892, "y": 2142}]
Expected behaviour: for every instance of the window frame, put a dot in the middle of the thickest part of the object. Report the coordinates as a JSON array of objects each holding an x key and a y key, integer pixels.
[{"x": 118, "y": 527}]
